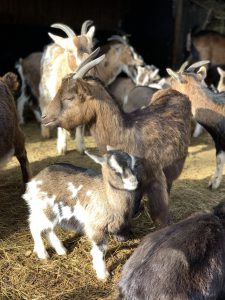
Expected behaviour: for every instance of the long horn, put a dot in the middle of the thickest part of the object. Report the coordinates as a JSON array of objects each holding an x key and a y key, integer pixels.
[
  {"x": 183, "y": 66},
  {"x": 88, "y": 66},
  {"x": 197, "y": 65},
  {"x": 117, "y": 38},
  {"x": 85, "y": 26},
  {"x": 88, "y": 59},
  {"x": 70, "y": 33},
  {"x": 173, "y": 74}
]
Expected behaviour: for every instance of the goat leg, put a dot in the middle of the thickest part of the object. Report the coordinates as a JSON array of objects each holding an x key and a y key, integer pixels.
[{"x": 159, "y": 200}]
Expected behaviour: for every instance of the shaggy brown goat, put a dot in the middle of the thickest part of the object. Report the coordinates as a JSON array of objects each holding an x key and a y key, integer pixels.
[
  {"x": 208, "y": 109},
  {"x": 184, "y": 261},
  {"x": 12, "y": 141},
  {"x": 159, "y": 134}
]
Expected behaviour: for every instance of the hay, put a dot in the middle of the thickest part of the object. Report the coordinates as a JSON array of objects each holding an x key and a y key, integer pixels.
[{"x": 23, "y": 276}]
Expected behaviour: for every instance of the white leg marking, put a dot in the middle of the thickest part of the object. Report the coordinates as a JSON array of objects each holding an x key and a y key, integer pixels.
[
  {"x": 39, "y": 247},
  {"x": 80, "y": 138},
  {"x": 217, "y": 177},
  {"x": 20, "y": 106},
  {"x": 61, "y": 141},
  {"x": 55, "y": 242},
  {"x": 198, "y": 130},
  {"x": 99, "y": 262}
]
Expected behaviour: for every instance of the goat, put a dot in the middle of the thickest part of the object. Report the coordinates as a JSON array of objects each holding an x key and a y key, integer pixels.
[
  {"x": 29, "y": 71},
  {"x": 208, "y": 109},
  {"x": 221, "y": 83},
  {"x": 12, "y": 140},
  {"x": 208, "y": 45},
  {"x": 83, "y": 200},
  {"x": 183, "y": 261},
  {"x": 119, "y": 55},
  {"x": 159, "y": 134},
  {"x": 59, "y": 59}
]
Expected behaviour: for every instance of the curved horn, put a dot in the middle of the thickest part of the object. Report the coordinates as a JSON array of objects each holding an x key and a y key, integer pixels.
[
  {"x": 183, "y": 66},
  {"x": 88, "y": 59},
  {"x": 85, "y": 26},
  {"x": 81, "y": 72},
  {"x": 70, "y": 33},
  {"x": 197, "y": 65},
  {"x": 117, "y": 38}
]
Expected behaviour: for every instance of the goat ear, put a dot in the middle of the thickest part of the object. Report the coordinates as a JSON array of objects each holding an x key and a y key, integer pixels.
[
  {"x": 90, "y": 33},
  {"x": 98, "y": 159},
  {"x": 58, "y": 40},
  {"x": 176, "y": 76},
  {"x": 11, "y": 80},
  {"x": 202, "y": 73}
]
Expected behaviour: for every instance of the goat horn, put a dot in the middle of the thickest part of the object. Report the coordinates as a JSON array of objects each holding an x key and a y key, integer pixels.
[
  {"x": 85, "y": 26},
  {"x": 89, "y": 58},
  {"x": 183, "y": 66},
  {"x": 197, "y": 65},
  {"x": 172, "y": 73},
  {"x": 117, "y": 38},
  {"x": 70, "y": 33},
  {"x": 88, "y": 63}
]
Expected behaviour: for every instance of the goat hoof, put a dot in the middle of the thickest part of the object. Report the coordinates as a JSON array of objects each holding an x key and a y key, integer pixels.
[
  {"x": 213, "y": 183},
  {"x": 103, "y": 277}
]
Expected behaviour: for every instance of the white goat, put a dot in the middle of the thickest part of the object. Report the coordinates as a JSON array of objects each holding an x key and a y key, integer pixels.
[
  {"x": 85, "y": 201},
  {"x": 59, "y": 59}
]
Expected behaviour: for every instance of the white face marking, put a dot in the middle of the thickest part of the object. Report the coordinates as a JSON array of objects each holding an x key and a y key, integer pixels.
[
  {"x": 89, "y": 193},
  {"x": 114, "y": 164},
  {"x": 130, "y": 183},
  {"x": 73, "y": 189}
]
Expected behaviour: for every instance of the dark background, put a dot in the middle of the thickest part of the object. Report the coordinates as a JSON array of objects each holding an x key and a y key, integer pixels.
[{"x": 157, "y": 32}]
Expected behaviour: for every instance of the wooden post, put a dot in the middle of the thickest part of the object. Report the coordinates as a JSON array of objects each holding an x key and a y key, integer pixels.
[{"x": 178, "y": 34}]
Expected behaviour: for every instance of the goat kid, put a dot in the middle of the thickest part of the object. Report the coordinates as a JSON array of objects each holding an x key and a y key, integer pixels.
[
  {"x": 84, "y": 201},
  {"x": 12, "y": 140},
  {"x": 183, "y": 261},
  {"x": 159, "y": 134}
]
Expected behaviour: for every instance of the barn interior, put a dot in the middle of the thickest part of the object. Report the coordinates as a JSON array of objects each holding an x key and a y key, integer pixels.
[{"x": 158, "y": 30}]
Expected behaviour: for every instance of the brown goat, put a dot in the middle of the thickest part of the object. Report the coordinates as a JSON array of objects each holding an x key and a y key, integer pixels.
[
  {"x": 184, "y": 261},
  {"x": 12, "y": 141},
  {"x": 159, "y": 134},
  {"x": 208, "y": 109}
]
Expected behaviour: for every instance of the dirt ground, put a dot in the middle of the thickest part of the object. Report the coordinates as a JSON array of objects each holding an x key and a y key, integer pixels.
[{"x": 23, "y": 276}]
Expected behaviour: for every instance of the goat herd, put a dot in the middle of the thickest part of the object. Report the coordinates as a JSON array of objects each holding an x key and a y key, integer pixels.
[{"x": 142, "y": 125}]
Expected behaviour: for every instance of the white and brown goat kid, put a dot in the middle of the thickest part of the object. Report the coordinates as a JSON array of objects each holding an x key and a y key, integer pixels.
[
  {"x": 159, "y": 134},
  {"x": 83, "y": 200},
  {"x": 59, "y": 59},
  {"x": 208, "y": 109}
]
